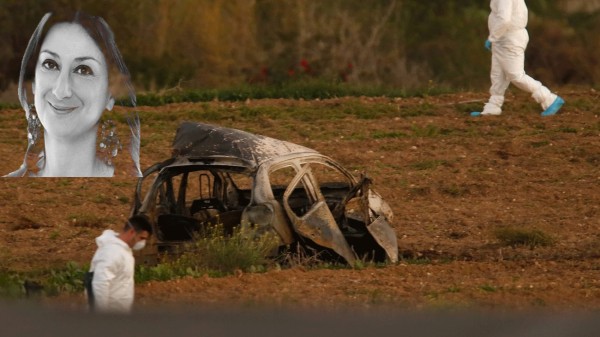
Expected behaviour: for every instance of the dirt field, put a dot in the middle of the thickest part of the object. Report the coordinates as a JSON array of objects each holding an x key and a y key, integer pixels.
[{"x": 452, "y": 181}]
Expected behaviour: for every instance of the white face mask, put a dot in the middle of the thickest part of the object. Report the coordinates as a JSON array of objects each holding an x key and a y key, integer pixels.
[{"x": 139, "y": 245}]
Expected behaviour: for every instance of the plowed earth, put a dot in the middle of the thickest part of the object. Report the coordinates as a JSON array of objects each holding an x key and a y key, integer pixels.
[{"x": 451, "y": 179}]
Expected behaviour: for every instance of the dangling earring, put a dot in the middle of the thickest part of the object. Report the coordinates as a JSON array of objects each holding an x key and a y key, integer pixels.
[
  {"x": 33, "y": 126},
  {"x": 34, "y": 159},
  {"x": 109, "y": 142}
]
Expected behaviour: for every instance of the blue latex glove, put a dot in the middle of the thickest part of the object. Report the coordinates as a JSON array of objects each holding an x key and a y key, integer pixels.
[{"x": 488, "y": 45}]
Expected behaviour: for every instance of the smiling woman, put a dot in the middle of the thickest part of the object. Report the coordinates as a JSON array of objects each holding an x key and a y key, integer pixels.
[{"x": 73, "y": 62}]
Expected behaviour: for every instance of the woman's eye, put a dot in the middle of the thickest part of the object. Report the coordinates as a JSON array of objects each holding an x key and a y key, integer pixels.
[
  {"x": 84, "y": 70},
  {"x": 50, "y": 65}
]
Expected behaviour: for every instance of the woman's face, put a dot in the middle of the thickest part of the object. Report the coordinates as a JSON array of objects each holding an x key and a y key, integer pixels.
[{"x": 71, "y": 82}]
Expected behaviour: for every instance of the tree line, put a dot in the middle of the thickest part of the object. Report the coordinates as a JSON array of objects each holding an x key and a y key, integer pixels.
[{"x": 399, "y": 43}]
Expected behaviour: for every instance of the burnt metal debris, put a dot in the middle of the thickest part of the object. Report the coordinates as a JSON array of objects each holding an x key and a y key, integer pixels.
[{"x": 233, "y": 177}]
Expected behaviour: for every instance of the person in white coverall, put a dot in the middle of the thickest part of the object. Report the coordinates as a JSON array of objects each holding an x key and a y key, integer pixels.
[
  {"x": 507, "y": 41},
  {"x": 112, "y": 268}
]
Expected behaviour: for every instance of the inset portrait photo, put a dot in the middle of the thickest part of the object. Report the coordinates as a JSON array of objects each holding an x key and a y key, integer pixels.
[{"x": 72, "y": 73}]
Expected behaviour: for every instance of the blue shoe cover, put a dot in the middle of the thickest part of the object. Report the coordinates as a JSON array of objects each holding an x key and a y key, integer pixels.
[
  {"x": 554, "y": 107},
  {"x": 476, "y": 113}
]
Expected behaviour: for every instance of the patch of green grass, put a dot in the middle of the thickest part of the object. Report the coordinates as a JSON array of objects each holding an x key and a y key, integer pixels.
[
  {"x": 11, "y": 285},
  {"x": 122, "y": 183},
  {"x": 54, "y": 235},
  {"x": 154, "y": 117},
  {"x": 161, "y": 272},
  {"x": 454, "y": 190},
  {"x": 378, "y": 297},
  {"x": 423, "y": 109},
  {"x": 429, "y": 131},
  {"x": 250, "y": 112},
  {"x": 428, "y": 164},
  {"x": 320, "y": 264},
  {"x": 361, "y": 111},
  {"x": 488, "y": 288},
  {"x": 371, "y": 111},
  {"x": 453, "y": 289},
  {"x": 49, "y": 282},
  {"x": 63, "y": 182},
  {"x": 9, "y": 106},
  {"x": 391, "y": 134},
  {"x": 510, "y": 236},
  {"x": 538, "y": 302},
  {"x": 123, "y": 199},
  {"x": 467, "y": 108},
  {"x": 567, "y": 129},
  {"x": 540, "y": 144},
  {"x": 432, "y": 295},
  {"x": 357, "y": 136},
  {"x": 583, "y": 104},
  {"x": 306, "y": 89},
  {"x": 212, "y": 115},
  {"x": 151, "y": 139},
  {"x": 363, "y": 263},
  {"x": 102, "y": 199},
  {"x": 418, "y": 261},
  {"x": 419, "y": 191}
]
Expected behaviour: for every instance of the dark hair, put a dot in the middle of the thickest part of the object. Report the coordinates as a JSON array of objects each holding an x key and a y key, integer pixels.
[
  {"x": 139, "y": 223},
  {"x": 96, "y": 28}
]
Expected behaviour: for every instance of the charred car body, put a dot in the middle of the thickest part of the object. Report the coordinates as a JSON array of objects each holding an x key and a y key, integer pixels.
[{"x": 228, "y": 176}]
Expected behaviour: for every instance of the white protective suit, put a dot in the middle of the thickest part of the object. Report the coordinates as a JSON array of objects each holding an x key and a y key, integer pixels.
[
  {"x": 113, "y": 266},
  {"x": 509, "y": 38}
]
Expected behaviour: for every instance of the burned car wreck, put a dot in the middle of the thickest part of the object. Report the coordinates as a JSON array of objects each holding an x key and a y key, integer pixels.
[{"x": 232, "y": 177}]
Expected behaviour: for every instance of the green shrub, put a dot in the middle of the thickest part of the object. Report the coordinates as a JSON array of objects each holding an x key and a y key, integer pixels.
[
  {"x": 11, "y": 285},
  {"x": 50, "y": 282},
  {"x": 216, "y": 253},
  {"x": 69, "y": 279},
  {"x": 161, "y": 272}
]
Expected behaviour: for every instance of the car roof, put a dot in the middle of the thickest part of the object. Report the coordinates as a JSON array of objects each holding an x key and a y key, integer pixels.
[{"x": 198, "y": 140}]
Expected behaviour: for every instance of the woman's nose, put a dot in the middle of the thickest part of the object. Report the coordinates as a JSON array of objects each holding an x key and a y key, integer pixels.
[{"x": 62, "y": 87}]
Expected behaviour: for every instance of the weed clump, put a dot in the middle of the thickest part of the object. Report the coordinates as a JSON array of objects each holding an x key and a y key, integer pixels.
[
  {"x": 214, "y": 252},
  {"x": 10, "y": 285},
  {"x": 69, "y": 279},
  {"x": 523, "y": 237}
]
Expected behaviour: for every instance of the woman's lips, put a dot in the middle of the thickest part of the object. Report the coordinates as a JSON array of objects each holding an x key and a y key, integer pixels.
[{"x": 62, "y": 110}]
